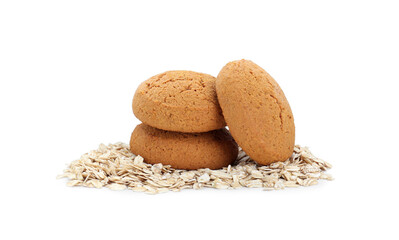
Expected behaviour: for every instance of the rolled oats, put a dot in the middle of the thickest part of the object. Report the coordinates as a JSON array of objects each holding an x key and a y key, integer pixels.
[{"x": 116, "y": 168}]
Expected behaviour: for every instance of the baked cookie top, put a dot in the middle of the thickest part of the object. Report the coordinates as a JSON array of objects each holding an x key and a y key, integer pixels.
[
  {"x": 183, "y": 101},
  {"x": 256, "y": 111}
]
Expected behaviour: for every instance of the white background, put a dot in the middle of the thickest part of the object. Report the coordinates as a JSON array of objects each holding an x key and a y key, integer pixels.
[{"x": 68, "y": 72}]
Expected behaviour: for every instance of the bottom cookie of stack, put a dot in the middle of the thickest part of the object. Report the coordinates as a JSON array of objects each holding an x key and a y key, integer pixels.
[{"x": 214, "y": 150}]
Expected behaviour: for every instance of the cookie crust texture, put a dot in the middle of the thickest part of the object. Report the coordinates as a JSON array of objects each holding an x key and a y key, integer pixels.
[
  {"x": 181, "y": 101},
  {"x": 214, "y": 149},
  {"x": 256, "y": 111}
]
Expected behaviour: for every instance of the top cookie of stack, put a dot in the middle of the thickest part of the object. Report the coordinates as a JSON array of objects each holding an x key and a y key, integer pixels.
[{"x": 180, "y": 101}]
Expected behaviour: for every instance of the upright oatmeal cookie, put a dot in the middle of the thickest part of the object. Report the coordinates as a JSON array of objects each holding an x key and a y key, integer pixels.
[
  {"x": 256, "y": 111},
  {"x": 181, "y": 101}
]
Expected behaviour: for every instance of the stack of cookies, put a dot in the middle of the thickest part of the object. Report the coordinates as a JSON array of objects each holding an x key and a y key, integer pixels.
[
  {"x": 183, "y": 125},
  {"x": 184, "y": 116}
]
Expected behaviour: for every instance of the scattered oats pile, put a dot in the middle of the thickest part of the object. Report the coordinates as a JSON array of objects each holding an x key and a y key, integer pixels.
[{"x": 115, "y": 167}]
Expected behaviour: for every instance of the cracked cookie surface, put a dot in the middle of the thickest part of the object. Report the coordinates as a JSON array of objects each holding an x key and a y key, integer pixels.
[
  {"x": 182, "y": 101},
  {"x": 256, "y": 111}
]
